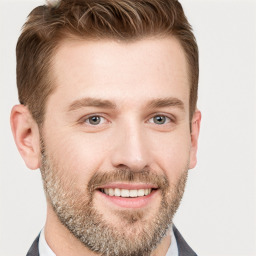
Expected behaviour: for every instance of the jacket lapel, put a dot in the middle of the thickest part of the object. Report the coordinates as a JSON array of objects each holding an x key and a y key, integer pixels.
[
  {"x": 34, "y": 251},
  {"x": 183, "y": 247}
]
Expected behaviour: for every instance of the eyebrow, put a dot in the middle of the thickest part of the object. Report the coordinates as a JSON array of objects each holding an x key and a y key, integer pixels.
[
  {"x": 100, "y": 103},
  {"x": 91, "y": 102},
  {"x": 166, "y": 102}
]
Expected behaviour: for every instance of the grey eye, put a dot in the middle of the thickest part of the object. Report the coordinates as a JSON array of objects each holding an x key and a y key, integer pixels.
[
  {"x": 159, "y": 119},
  {"x": 94, "y": 120}
]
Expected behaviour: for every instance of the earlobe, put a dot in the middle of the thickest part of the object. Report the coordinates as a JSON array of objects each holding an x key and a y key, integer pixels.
[
  {"x": 26, "y": 135},
  {"x": 195, "y": 129}
]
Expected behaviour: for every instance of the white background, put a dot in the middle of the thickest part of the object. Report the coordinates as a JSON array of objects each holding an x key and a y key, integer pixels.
[{"x": 218, "y": 213}]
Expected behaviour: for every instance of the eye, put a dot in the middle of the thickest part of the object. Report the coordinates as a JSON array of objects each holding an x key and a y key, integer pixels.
[
  {"x": 160, "y": 120},
  {"x": 95, "y": 120}
]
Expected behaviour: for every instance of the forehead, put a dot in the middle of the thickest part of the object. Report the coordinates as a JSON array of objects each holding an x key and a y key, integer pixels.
[{"x": 120, "y": 71}]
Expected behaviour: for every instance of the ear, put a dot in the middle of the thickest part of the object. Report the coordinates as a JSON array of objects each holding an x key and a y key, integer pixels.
[
  {"x": 26, "y": 135},
  {"x": 195, "y": 128}
]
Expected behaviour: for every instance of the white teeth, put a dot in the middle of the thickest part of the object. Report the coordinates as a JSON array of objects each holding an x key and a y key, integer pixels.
[
  {"x": 146, "y": 192},
  {"x": 126, "y": 192},
  {"x": 133, "y": 193},
  {"x": 141, "y": 192},
  {"x": 111, "y": 192},
  {"x": 117, "y": 192}
]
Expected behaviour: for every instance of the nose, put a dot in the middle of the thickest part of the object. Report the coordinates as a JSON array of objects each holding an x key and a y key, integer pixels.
[{"x": 130, "y": 148}]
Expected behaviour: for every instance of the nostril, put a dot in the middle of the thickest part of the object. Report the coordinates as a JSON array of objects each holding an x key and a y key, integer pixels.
[{"x": 122, "y": 166}]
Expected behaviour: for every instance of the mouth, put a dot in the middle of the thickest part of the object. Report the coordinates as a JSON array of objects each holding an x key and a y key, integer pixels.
[{"x": 128, "y": 195}]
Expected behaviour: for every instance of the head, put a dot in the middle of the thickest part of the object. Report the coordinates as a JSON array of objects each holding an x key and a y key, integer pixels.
[{"x": 108, "y": 93}]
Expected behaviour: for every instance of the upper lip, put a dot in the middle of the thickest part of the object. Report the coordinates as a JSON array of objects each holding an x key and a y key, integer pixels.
[{"x": 129, "y": 186}]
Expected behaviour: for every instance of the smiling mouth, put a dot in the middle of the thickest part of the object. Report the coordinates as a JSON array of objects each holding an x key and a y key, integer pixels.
[{"x": 126, "y": 193}]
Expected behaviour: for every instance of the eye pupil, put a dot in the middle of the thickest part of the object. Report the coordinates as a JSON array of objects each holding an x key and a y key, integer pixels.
[
  {"x": 94, "y": 120},
  {"x": 159, "y": 119}
]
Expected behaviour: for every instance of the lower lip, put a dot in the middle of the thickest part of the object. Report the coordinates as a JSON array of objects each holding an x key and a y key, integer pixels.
[{"x": 130, "y": 202}]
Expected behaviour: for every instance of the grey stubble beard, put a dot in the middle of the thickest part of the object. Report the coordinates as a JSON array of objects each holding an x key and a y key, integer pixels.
[{"x": 75, "y": 209}]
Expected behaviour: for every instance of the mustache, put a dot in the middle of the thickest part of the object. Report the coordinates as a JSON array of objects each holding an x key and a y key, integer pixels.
[{"x": 147, "y": 176}]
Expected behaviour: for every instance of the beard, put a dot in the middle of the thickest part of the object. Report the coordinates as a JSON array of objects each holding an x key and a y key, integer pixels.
[{"x": 136, "y": 233}]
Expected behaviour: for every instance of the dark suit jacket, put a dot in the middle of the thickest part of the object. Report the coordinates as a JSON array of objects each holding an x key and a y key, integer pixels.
[{"x": 183, "y": 247}]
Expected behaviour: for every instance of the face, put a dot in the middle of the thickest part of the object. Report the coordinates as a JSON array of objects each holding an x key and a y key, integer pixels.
[{"x": 116, "y": 141}]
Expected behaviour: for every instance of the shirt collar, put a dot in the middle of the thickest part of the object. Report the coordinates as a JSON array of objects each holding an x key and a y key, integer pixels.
[
  {"x": 173, "y": 249},
  {"x": 44, "y": 249}
]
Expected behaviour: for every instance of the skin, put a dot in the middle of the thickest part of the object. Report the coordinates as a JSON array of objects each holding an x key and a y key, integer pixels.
[{"x": 128, "y": 75}]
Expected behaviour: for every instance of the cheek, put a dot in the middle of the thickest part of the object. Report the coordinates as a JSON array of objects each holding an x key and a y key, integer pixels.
[
  {"x": 172, "y": 154},
  {"x": 77, "y": 155}
]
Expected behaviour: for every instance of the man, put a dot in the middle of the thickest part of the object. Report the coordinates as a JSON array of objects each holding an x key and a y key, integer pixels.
[{"x": 108, "y": 93}]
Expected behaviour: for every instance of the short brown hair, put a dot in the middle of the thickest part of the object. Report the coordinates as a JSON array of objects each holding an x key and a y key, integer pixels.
[{"x": 94, "y": 19}]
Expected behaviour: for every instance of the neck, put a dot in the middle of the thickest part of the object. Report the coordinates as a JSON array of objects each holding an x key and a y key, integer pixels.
[{"x": 63, "y": 243}]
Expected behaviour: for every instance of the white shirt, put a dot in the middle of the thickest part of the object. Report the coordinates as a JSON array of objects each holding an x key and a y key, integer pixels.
[
  {"x": 45, "y": 250},
  {"x": 43, "y": 247}
]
